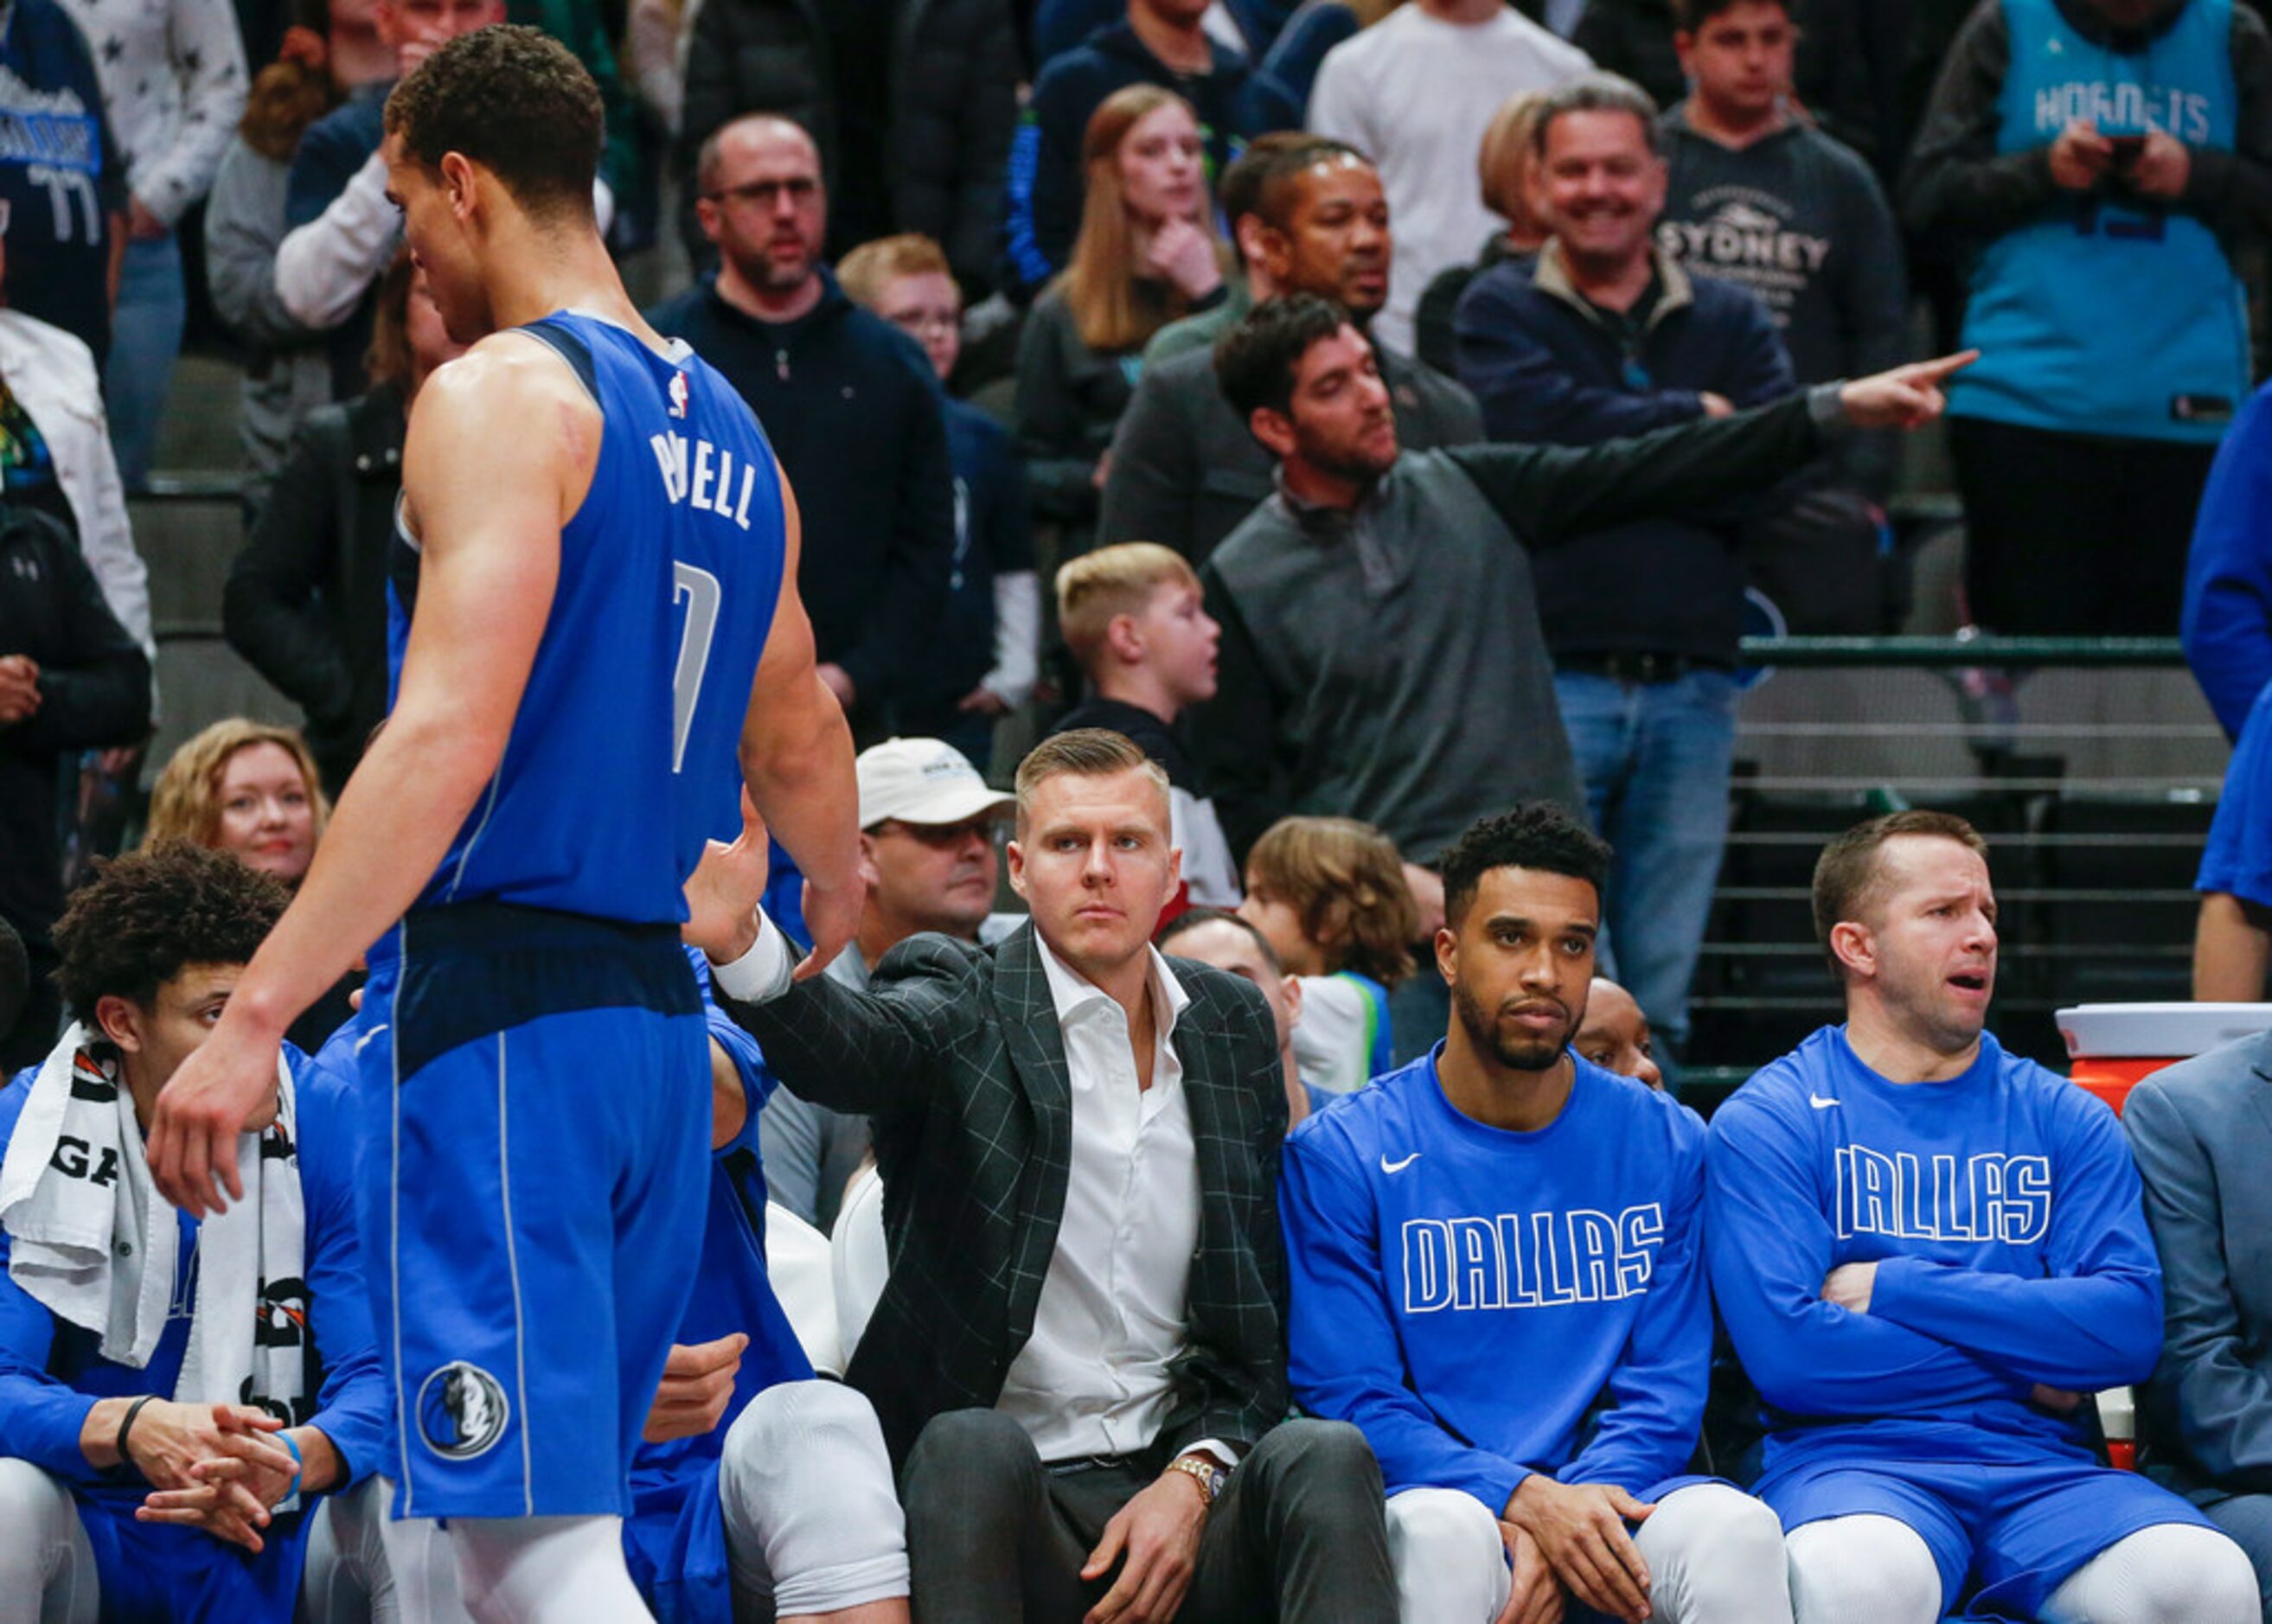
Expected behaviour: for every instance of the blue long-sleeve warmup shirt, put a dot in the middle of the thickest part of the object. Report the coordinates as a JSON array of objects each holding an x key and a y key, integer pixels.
[
  {"x": 52, "y": 1373},
  {"x": 1467, "y": 1296},
  {"x": 2228, "y": 618},
  {"x": 2003, "y": 1211}
]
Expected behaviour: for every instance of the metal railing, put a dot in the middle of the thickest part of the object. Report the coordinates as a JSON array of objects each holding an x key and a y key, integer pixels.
[{"x": 2092, "y": 765}]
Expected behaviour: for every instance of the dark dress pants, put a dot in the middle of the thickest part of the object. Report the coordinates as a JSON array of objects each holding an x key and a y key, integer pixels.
[{"x": 994, "y": 1536}]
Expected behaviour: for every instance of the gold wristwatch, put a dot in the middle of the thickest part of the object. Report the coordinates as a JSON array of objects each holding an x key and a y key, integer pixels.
[{"x": 1203, "y": 1470}]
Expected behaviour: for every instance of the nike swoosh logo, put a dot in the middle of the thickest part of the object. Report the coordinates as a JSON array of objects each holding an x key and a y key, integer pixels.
[
  {"x": 1820, "y": 1103},
  {"x": 1389, "y": 1166}
]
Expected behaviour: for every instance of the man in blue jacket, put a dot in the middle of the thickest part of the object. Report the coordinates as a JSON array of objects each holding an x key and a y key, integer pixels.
[
  {"x": 1502, "y": 1208},
  {"x": 1604, "y": 336},
  {"x": 174, "y": 1396},
  {"x": 1927, "y": 1252}
]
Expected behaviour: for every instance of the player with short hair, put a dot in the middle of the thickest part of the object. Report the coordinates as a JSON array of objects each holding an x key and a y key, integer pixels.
[
  {"x": 1497, "y": 1273},
  {"x": 597, "y": 571},
  {"x": 1927, "y": 1250}
]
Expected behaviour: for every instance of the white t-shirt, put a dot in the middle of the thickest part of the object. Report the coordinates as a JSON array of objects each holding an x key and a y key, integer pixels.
[{"x": 1414, "y": 94}]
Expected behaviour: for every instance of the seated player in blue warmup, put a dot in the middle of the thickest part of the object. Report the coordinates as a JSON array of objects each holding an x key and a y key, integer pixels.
[
  {"x": 2232, "y": 939},
  {"x": 1928, "y": 1252},
  {"x": 1497, "y": 1273},
  {"x": 176, "y": 1398},
  {"x": 594, "y": 614}
]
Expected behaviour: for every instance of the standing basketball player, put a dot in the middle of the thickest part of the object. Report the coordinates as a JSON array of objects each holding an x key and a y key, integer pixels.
[{"x": 597, "y": 569}]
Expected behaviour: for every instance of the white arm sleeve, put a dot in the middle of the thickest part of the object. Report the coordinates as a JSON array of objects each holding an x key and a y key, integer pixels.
[
  {"x": 762, "y": 974},
  {"x": 1017, "y": 637},
  {"x": 323, "y": 267}
]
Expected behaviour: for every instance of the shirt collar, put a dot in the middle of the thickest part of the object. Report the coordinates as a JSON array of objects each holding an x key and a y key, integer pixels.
[{"x": 1071, "y": 992}]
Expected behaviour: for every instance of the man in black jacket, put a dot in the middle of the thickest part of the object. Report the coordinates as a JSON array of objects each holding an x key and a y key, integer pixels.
[
  {"x": 848, "y": 401},
  {"x": 1080, "y": 1352},
  {"x": 70, "y": 679},
  {"x": 912, "y": 103}
]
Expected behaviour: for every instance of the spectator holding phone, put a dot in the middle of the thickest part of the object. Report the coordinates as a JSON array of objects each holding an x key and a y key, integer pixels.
[{"x": 2105, "y": 157}]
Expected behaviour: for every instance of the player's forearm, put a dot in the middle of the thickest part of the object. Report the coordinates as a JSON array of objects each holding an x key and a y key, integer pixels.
[
  {"x": 2080, "y": 1333},
  {"x": 2231, "y": 950},
  {"x": 393, "y": 826},
  {"x": 797, "y": 760}
]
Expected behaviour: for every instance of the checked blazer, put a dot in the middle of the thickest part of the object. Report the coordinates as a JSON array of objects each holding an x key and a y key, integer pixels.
[{"x": 955, "y": 1053}]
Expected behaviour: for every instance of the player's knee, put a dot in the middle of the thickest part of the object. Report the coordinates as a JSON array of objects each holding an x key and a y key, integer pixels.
[
  {"x": 2181, "y": 1573},
  {"x": 1862, "y": 1570},
  {"x": 1321, "y": 1452},
  {"x": 1437, "y": 1531},
  {"x": 967, "y": 1464},
  {"x": 1720, "y": 1541},
  {"x": 27, "y": 1502},
  {"x": 817, "y": 1421}
]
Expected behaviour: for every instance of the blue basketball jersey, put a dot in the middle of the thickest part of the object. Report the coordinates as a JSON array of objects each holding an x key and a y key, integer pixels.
[{"x": 622, "y": 757}]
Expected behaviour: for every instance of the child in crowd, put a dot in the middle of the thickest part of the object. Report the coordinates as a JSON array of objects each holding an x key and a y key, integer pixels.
[
  {"x": 1132, "y": 615},
  {"x": 1329, "y": 893}
]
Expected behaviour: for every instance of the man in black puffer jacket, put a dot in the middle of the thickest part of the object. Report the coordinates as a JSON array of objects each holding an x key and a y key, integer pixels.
[{"x": 912, "y": 103}]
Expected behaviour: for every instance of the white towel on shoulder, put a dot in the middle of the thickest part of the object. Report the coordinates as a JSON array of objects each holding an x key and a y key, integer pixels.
[{"x": 93, "y": 1242}]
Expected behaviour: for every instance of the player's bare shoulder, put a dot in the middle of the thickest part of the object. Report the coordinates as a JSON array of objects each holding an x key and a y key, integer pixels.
[{"x": 507, "y": 416}]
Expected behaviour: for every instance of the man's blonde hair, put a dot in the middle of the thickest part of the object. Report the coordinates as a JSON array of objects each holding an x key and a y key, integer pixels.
[
  {"x": 869, "y": 269},
  {"x": 1097, "y": 587},
  {"x": 1083, "y": 752}
]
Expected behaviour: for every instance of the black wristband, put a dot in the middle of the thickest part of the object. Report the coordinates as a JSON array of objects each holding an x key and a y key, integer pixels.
[{"x": 126, "y": 1426}]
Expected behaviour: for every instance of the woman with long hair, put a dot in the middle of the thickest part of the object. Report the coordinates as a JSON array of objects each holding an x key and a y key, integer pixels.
[{"x": 1147, "y": 255}]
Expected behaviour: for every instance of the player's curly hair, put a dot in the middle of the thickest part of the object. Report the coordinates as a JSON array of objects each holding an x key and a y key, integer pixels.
[
  {"x": 514, "y": 101},
  {"x": 1537, "y": 834},
  {"x": 148, "y": 914}
]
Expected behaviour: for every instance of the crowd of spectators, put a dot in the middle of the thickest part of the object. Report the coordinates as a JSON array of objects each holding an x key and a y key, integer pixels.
[{"x": 1381, "y": 415}]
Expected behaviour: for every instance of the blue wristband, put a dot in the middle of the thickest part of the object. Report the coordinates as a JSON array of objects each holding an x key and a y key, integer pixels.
[{"x": 299, "y": 1467}]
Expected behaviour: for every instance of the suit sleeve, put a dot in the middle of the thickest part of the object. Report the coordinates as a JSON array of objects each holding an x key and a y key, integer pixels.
[
  {"x": 2228, "y": 615},
  {"x": 1549, "y": 493},
  {"x": 2095, "y": 1319},
  {"x": 1770, "y": 1247},
  {"x": 2211, "y": 1392},
  {"x": 880, "y": 1050},
  {"x": 1343, "y": 1355},
  {"x": 1661, "y": 1382},
  {"x": 1153, "y": 482},
  {"x": 1528, "y": 394}
]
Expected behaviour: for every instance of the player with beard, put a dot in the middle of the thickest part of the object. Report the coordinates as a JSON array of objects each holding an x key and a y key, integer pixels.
[
  {"x": 1503, "y": 1206},
  {"x": 1926, "y": 1249}
]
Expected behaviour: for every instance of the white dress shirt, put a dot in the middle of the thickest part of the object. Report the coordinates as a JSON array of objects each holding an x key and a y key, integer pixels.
[{"x": 1093, "y": 1379}]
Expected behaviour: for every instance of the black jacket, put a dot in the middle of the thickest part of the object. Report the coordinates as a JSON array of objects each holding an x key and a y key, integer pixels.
[
  {"x": 306, "y": 601},
  {"x": 95, "y": 691},
  {"x": 955, "y": 1050},
  {"x": 954, "y": 73},
  {"x": 852, "y": 409}
]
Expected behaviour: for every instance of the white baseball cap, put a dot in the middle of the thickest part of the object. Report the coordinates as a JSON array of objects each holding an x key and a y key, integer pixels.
[{"x": 922, "y": 781}]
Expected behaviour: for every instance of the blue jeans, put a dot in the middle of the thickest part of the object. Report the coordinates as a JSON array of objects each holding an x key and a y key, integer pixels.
[
  {"x": 146, "y": 338},
  {"x": 1655, "y": 758}
]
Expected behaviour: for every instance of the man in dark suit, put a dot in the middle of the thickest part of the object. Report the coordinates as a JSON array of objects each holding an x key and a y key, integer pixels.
[
  {"x": 2201, "y": 1132},
  {"x": 1078, "y": 1357}
]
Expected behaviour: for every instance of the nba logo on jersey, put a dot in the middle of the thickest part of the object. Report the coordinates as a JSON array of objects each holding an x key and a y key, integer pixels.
[{"x": 678, "y": 394}]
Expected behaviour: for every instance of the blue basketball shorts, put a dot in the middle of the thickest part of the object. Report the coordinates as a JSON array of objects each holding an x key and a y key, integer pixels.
[{"x": 531, "y": 1198}]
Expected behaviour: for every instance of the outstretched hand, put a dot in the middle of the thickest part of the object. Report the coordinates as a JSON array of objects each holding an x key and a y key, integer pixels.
[
  {"x": 724, "y": 892},
  {"x": 1903, "y": 398},
  {"x": 225, "y": 1087}
]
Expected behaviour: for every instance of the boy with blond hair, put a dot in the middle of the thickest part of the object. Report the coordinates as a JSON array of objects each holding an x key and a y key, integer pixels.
[{"x": 1132, "y": 614}]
